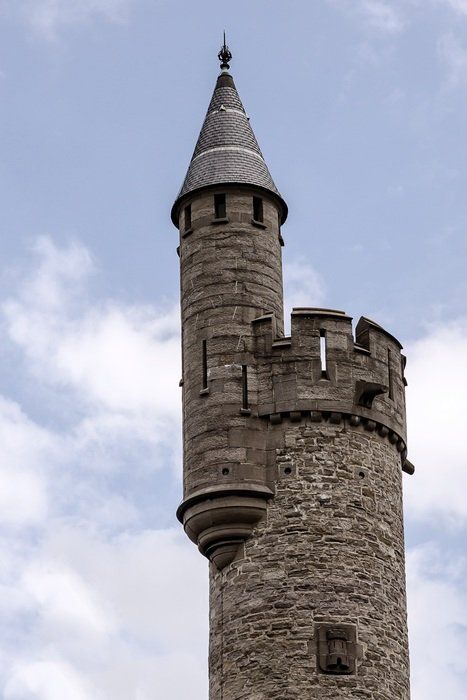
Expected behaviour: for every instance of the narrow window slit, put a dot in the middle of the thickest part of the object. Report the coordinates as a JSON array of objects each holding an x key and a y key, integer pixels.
[
  {"x": 205, "y": 365},
  {"x": 258, "y": 209},
  {"x": 323, "y": 351},
  {"x": 245, "y": 405},
  {"x": 187, "y": 217},
  {"x": 390, "y": 376},
  {"x": 220, "y": 207}
]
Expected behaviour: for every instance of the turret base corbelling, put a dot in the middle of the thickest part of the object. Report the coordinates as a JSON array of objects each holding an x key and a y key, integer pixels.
[
  {"x": 219, "y": 519},
  {"x": 357, "y": 418}
]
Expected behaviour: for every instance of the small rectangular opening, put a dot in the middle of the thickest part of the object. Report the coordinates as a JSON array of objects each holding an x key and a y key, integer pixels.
[
  {"x": 390, "y": 376},
  {"x": 187, "y": 218},
  {"x": 220, "y": 208},
  {"x": 205, "y": 365},
  {"x": 258, "y": 209},
  {"x": 245, "y": 405},
  {"x": 323, "y": 351}
]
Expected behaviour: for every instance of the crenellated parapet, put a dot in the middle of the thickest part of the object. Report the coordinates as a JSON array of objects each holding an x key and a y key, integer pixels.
[
  {"x": 321, "y": 373},
  {"x": 321, "y": 370}
]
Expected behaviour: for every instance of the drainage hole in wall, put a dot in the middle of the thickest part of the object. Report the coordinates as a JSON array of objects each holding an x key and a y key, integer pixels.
[
  {"x": 361, "y": 475},
  {"x": 288, "y": 470},
  {"x": 225, "y": 471}
]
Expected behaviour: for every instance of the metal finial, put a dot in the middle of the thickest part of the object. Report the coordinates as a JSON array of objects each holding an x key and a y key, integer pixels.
[{"x": 225, "y": 56}]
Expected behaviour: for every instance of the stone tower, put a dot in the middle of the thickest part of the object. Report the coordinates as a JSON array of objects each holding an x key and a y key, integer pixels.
[{"x": 294, "y": 448}]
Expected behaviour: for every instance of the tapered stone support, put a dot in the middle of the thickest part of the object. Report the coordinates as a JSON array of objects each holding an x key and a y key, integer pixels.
[{"x": 220, "y": 519}]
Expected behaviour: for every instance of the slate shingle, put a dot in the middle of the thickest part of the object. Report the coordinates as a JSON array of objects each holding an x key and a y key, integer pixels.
[{"x": 227, "y": 150}]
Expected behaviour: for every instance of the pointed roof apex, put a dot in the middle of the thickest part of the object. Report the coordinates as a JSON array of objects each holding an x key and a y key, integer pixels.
[
  {"x": 227, "y": 151},
  {"x": 224, "y": 56}
]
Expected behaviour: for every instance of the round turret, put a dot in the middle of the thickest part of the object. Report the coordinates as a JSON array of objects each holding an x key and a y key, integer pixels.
[{"x": 230, "y": 259}]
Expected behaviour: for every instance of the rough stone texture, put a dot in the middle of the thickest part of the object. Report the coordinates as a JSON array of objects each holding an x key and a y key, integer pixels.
[
  {"x": 330, "y": 550},
  {"x": 230, "y": 274},
  {"x": 290, "y": 370}
]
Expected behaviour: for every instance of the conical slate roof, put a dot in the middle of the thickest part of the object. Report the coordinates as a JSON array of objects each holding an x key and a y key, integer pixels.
[{"x": 227, "y": 150}]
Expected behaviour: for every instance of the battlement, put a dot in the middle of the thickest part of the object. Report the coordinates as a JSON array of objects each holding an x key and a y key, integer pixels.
[{"x": 323, "y": 369}]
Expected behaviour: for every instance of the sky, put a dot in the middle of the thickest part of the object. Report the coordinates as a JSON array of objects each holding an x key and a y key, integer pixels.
[{"x": 360, "y": 109}]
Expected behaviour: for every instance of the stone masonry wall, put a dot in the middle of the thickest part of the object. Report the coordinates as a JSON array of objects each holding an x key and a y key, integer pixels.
[
  {"x": 331, "y": 549},
  {"x": 230, "y": 274}
]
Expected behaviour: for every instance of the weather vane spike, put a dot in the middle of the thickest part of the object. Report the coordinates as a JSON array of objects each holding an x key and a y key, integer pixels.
[{"x": 225, "y": 56}]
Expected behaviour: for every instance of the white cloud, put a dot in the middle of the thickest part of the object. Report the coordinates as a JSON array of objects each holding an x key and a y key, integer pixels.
[
  {"x": 153, "y": 567},
  {"x": 459, "y": 6},
  {"x": 64, "y": 599},
  {"x": 49, "y": 17},
  {"x": 58, "y": 273},
  {"x": 437, "y": 375},
  {"x": 303, "y": 286},
  {"x": 109, "y": 377},
  {"x": 23, "y": 445},
  {"x": 383, "y": 16},
  {"x": 454, "y": 56},
  {"x": 111, "y": 615},
  {"x": 47, "y": 680},
  {"x": 437, "y": 623},
  {"x": 117, "y": 356},
  {"x": 94, "y": 355},
  {"x": 94, "y": 601}
]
